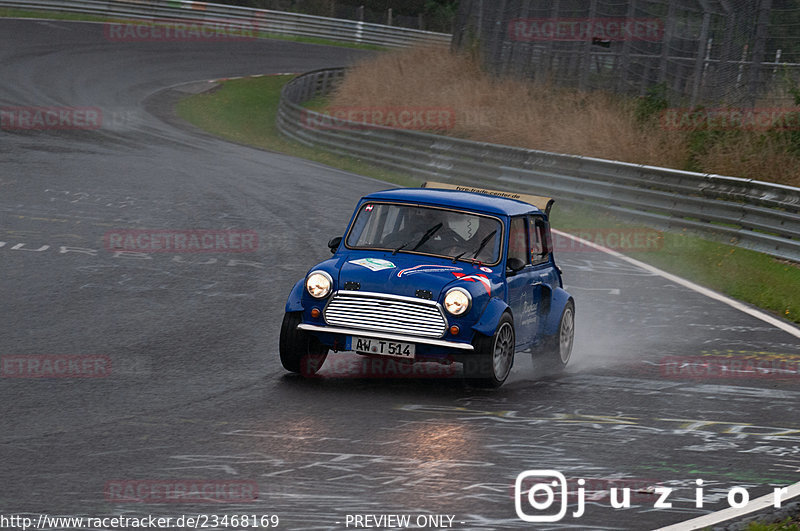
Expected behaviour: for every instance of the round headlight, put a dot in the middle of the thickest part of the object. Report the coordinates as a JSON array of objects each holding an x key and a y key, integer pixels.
[
  {"x": 457, "y": 301},
  {"x": 318, "y": 284}
]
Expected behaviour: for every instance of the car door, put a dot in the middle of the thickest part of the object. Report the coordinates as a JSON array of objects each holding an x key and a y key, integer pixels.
[{"x": 523, "y": 291}]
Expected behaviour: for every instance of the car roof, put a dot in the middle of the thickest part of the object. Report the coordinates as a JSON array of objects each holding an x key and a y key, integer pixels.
[{"x": 455, "y": 199}]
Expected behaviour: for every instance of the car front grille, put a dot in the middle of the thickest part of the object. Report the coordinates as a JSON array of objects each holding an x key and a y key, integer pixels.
[{"x": 386, "y": 313}]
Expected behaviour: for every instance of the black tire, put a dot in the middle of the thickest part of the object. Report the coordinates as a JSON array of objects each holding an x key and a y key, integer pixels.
[
  {"x": 490, "y": 364},
  {"x": 300, "y": 352},
  {"x": 559, "y": 347}
]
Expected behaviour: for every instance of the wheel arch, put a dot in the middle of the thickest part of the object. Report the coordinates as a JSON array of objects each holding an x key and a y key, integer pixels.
[
  {"x": 491, "y": 316},
  {"x": 558, "y": 303},
  {"x": 295, "y": 301}
]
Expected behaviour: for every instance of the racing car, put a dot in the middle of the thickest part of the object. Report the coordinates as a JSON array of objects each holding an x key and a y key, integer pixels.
[{"x": 439, "y": 273}]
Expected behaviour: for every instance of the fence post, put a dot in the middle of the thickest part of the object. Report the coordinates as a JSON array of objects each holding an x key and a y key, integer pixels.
[
  {"x": 700, "y": 58},
  {"x": 727, "y": 60},
  {"x": 624, "y": 60},
  {"x": 519, "y": 47},
  {"x": 669, "y": 27},
  {"x": 496, "y": 45},
  {"x": 389, "y": 17},
  {"x": 480, "y": 20},
  {"x": 586, "y": 57},
  {"x": 759, "y": 51},
  {"x": 548, "y": 55}
]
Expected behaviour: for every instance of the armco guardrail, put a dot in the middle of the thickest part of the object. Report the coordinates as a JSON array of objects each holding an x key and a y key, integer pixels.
[
  {"x": 245, "y": 18},
  {"x": 752, "y": 214}
]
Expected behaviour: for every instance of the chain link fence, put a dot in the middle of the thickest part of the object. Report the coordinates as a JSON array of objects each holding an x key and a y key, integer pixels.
[{"x": 712, "y": 52}]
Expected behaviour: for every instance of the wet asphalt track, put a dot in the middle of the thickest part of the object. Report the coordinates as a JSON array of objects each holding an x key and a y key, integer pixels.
[{"x": 197, "y": 391}]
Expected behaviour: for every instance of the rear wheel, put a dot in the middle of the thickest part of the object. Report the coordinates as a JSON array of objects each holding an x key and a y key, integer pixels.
[
  {"x": 493, "y": 358},
  {"x": 300, "y": 351},
  {"x": 559, "y": 349}
]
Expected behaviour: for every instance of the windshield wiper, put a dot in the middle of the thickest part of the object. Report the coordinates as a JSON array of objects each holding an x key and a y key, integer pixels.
[
  {"x": 484, "y": 242},
  {"x": 399, "y": 248},
  {"x": 480, "y": 248},
  {"x": 427, "y": 236}
]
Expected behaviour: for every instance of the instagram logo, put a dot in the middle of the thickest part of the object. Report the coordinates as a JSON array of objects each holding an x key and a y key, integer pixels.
[{"x": 537, "y": 487}]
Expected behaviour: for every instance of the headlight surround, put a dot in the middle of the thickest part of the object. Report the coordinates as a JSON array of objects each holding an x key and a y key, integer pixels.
[
  {"x": 319, "y": 284},
  {"x": 457, "y": 301}
]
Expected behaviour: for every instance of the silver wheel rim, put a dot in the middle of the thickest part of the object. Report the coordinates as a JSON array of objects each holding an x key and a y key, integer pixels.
[
  {"x": 503, "y": 352},
  {"x": 566, "y": 335}
]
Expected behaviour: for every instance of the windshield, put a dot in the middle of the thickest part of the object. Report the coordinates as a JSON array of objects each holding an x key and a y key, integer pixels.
[{"x": 426, "y": 230}]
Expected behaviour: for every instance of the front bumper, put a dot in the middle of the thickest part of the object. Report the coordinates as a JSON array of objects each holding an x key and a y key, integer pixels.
[{"x": 382, "y": 335}]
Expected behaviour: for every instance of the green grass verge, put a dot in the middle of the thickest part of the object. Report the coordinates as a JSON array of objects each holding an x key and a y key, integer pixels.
[
  {"x": 7, "y": 12},
  {"x": 244, "y": 111},
  {"x": 790, "y": 524},
  {"x": 10, "y": 12}
]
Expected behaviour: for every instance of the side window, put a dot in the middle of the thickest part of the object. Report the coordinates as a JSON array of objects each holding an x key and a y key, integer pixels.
[
  {"x": 540, "y": 243},
  {"x": 518, "y": 240}
]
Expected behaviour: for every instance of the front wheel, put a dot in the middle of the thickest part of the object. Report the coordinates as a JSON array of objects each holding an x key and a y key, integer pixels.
[
  {"x": 300, "y": 351},
  {"x": 490, "y": 364}
]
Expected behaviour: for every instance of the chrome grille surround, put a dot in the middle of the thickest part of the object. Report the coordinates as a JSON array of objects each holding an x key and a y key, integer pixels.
[{"x": 392, "y": 314}]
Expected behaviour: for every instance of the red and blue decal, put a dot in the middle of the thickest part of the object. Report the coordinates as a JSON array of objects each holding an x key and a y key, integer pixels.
[
  {"x": 428, "y": 268},
  {"x": 477, "y": 277}
]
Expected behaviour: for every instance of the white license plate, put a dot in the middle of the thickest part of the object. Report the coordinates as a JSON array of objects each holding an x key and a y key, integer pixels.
[{"x": 371, "y": 345}]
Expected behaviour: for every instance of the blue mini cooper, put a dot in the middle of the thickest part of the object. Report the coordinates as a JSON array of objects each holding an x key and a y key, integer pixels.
[{"x": 440, "y": 273}]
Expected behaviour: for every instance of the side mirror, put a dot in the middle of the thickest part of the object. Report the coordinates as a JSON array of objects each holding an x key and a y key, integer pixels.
[
  {"x": 334, "y": 243},
  {"x": 514, "y": 265}
]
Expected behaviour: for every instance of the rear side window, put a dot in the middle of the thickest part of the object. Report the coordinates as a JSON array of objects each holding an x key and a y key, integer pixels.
[
  {"x": 518, "y": 240},
  {"x": 540, "y": 242}
]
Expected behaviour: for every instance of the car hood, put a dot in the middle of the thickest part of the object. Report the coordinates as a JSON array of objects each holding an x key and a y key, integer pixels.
[{"x": 405, "y": 274}]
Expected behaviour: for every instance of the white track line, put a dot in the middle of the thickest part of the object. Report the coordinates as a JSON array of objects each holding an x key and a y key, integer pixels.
[
  {"x": 728, "y": 514},
  {"x": 758, "y": 314},
  {"x": 754, "y": 505}
]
